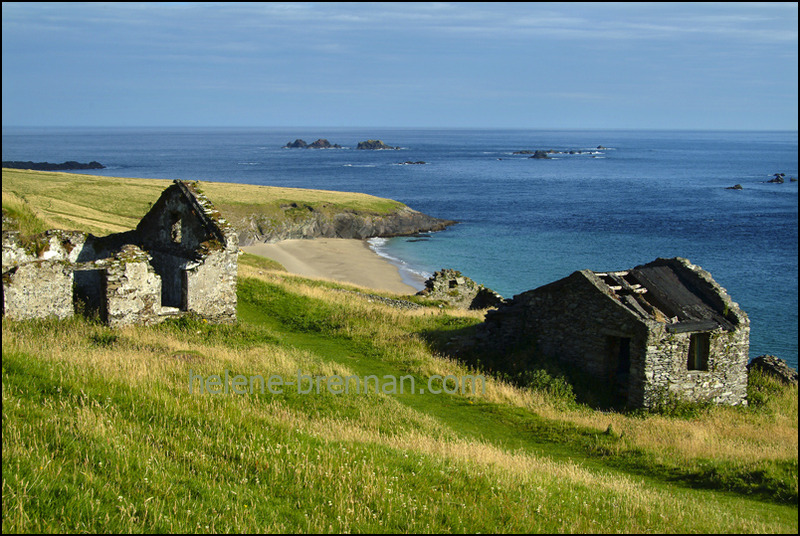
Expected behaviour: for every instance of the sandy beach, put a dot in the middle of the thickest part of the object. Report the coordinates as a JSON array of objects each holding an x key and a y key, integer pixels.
[{"x": 347, "y": 260}]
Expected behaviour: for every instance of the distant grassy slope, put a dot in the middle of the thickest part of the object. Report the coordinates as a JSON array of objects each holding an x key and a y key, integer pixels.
[{"x": 103, "y": 205}]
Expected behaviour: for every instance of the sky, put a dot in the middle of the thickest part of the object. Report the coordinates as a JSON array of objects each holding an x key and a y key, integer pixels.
[{"x": 721, "y": 66}]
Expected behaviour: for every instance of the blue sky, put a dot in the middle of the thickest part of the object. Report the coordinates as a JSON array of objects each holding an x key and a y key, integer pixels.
[{"x": 472, "y": 65}]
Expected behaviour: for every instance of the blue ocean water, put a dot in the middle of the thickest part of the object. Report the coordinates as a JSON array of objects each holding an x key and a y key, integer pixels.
[{"x": 524, "y": 222}]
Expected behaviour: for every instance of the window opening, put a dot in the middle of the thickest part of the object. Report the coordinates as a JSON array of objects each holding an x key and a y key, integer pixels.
[
  {"x": 699, "y": 344},
  {"x": 176, "y": 232}
]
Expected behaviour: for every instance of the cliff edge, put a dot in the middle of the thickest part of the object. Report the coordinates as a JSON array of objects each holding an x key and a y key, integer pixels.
[
  {"x": 315, "y": 223},
  {"x": 103, "y": 205}
]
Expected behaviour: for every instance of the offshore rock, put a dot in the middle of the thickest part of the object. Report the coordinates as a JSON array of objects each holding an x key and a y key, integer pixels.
[
  {"x": 322, "y": 143},
  {"x": 374, "y": 145},
  {"x": 296, "y": 144}
]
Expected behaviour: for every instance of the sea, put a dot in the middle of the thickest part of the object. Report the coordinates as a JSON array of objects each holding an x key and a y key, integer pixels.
[{"x": 604, "y": 200}]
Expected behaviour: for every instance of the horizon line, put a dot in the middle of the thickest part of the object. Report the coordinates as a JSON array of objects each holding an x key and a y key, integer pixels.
[{"x": 388, "y": 127}]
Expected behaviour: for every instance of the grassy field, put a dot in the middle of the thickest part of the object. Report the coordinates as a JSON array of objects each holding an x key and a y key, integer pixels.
[
  {"x": 103, "y": 205},
  {"x": 103, "y": 432},
  {"x": 109, "y": 431}
]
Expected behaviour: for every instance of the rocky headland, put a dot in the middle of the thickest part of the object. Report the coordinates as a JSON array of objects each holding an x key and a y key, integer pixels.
[
  {"x": 305, "y": 221},
  {"x": 47, "y": 166},
  {"x": 259, "y": 213}
]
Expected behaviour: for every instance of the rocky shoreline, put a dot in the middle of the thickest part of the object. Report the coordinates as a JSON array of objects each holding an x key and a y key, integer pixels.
[
  {"x": 47, "y": 166},
  {"x": 351, "y": 224}
]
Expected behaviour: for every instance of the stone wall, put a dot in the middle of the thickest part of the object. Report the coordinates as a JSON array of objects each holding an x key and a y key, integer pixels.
[
  {"x": 667, "y": 374},
  {"x": 177, "y": 221},
  {"x": 211, "y": 286},
  {"x": 581, "y": 323},
  {"x": 182, "y": 256},
  {"x": 195, "y": 251},
  {"x": 38, "y": 289},
  {"x": 38, "y": 274},
  {"x": 52, "y": 245},
  {"x": 571, "y": 320},
  {"x": 132, "y": 289}
]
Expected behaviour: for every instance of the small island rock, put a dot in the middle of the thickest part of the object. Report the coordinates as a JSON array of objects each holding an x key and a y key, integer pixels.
[
  {"x": 374, "y": 145},
  {"x": 296, "y": 144},
  {"x": 322, "y": 143}
]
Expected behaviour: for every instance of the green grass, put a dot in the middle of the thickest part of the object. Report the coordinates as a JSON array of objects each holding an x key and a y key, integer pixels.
[
  {"x": 104, "y": 205},
  {"x": 310, "y": 323},
  {"x": 101, "y": 433},
  {"x": 19, "y": 216},
  {"x": 260, "y": 263}
]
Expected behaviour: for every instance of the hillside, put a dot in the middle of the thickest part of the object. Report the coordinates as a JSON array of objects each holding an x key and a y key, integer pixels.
[
  {"x": 117, "y": 431},
  {"x": 103, "y": 205}
]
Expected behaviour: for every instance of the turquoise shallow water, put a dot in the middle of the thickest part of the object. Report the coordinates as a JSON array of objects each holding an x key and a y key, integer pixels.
[{"x": 524, "y": 222}]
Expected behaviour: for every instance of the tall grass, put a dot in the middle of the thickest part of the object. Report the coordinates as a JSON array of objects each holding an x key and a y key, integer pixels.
[
  {"x": 736, "y": 434},
  {"x": 102, "y": 433},
  {"x": 19, "y": 216}
]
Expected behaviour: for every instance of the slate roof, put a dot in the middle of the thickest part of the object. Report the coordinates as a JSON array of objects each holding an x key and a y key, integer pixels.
[{"x": 674, "y": 292}]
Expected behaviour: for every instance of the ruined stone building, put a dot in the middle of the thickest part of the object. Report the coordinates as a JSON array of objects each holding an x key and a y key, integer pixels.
[
  {"x": 459, "y": 291},
  {"x": 181, "y": 258},
  {"x": 662, "y": 328}
]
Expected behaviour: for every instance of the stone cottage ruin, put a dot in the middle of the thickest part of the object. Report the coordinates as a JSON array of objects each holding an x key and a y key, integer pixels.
[
  {"x": 181, "y": 258},
  {"x": 459, "y": 291},
  {"x": 664, "y": 328}
]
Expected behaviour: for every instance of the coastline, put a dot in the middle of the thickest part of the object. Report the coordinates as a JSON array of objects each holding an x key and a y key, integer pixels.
[{"x": 343, "y": 259}]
